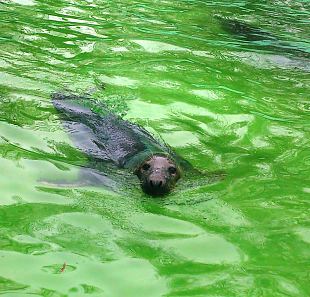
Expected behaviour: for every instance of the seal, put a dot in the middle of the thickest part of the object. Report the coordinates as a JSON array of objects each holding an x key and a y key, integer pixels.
[
  {"x": 108, "y": 139},
  {"x": 261, "y": 39}
]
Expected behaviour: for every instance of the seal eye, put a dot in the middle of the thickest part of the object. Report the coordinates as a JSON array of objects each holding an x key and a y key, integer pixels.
[
  {"x": 172, "y": 170},
  {"x": 146, "y": 167}
]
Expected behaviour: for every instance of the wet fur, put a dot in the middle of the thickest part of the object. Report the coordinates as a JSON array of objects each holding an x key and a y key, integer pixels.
[{"x": 108, "y": 141}]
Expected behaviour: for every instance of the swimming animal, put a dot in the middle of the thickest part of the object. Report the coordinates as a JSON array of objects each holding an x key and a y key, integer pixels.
[
  {"x": 108, "y": 139},
  {"x": 260, "y": 38}
]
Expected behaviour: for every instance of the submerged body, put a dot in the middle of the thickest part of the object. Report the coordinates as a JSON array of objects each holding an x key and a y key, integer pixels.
[
  {"x": 106, "y": 138},
  {"x": 260, "y": 38}
]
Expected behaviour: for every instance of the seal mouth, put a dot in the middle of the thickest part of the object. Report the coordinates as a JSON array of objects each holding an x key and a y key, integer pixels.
[{"x": 155, "y": 191}]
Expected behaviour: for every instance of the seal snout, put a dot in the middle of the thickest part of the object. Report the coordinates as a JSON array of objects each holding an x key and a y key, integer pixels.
[{"x": 156, "y": 183}]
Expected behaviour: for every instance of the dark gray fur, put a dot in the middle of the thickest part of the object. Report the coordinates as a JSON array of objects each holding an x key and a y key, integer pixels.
[{"x": 108, "y": 140}]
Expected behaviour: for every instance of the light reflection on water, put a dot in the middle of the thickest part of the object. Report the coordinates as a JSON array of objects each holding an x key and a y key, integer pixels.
[{"x": 223, "y": 102}]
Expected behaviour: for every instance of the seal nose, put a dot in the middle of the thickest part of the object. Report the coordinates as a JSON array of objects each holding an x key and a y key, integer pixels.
[{"x": 155, "y": 183}]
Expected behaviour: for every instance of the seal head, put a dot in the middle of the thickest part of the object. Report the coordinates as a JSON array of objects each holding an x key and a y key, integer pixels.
[{"x": 158, "y": 175}]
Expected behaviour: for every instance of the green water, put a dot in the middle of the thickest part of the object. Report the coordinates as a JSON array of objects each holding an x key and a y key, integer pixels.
[{"x": 221, "y": 101}]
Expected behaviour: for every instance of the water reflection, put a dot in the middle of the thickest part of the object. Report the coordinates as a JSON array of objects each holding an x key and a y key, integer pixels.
[{"x": 221, "y": 100}]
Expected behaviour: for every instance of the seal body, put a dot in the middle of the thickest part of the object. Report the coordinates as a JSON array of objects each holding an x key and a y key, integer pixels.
[
  {"x": 108, "y": 139},
  {"x": 260, "y": 38}
]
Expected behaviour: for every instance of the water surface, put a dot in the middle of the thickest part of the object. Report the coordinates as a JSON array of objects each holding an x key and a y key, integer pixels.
[{"x": 221, "y": 100}]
